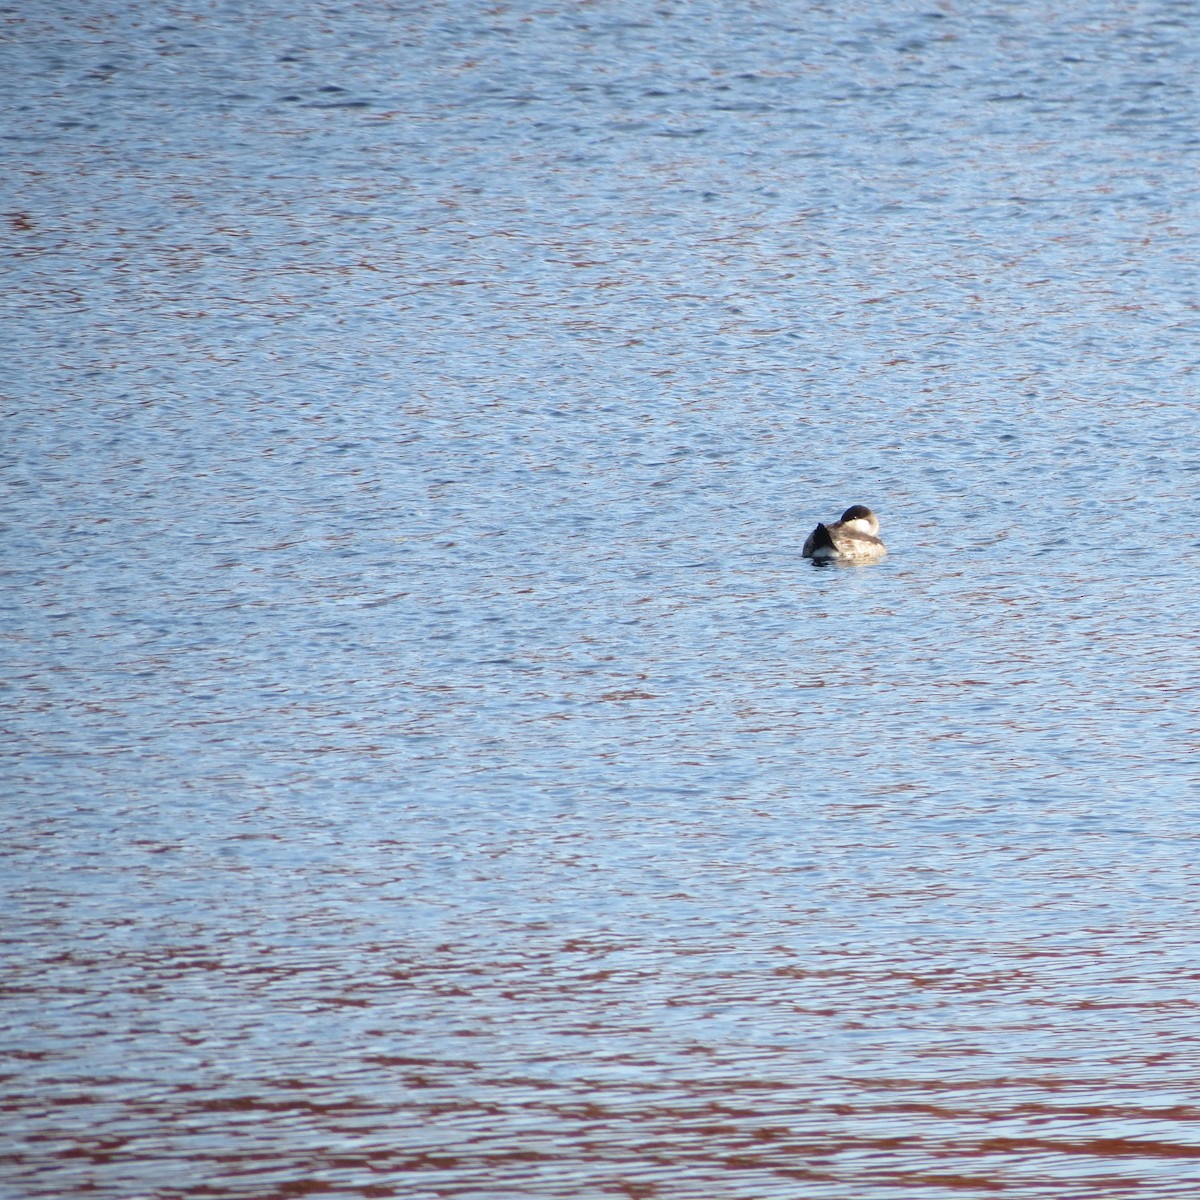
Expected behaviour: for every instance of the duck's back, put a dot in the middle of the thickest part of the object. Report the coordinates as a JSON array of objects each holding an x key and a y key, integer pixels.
[{"x": 859, "y": 547}]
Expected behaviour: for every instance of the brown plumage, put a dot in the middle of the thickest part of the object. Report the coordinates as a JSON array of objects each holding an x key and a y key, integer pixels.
[{"x": 855, "y": 538}]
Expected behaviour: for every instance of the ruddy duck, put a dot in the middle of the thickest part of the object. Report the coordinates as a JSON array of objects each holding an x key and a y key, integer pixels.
[{"x": 854, "y": 539}]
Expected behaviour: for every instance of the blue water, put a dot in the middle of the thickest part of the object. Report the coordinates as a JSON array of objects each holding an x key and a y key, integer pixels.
[{"x": 430, "y": 769}]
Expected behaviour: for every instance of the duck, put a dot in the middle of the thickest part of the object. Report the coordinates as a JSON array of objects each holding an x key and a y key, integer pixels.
[{"x": 853, "y": 539}]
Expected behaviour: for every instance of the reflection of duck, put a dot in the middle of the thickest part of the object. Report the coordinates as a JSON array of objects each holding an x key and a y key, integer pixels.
[{"x": 855, "y": 538}]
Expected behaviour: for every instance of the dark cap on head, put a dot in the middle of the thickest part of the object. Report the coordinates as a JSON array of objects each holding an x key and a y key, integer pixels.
[{"x": 857, "y": 512}]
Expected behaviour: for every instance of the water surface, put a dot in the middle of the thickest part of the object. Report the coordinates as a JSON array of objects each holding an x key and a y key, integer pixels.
[{"x": 430, "y": 769}]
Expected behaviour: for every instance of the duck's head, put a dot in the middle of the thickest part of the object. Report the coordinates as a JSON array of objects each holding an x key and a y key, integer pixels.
[{"x": 861, "y": 519}]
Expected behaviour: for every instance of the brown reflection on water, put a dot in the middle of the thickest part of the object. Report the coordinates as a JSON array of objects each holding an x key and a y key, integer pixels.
[{"x": 610, "y": 1066}]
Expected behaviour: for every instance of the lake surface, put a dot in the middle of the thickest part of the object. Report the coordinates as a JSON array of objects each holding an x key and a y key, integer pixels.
[{"x": 429, "y": 768}]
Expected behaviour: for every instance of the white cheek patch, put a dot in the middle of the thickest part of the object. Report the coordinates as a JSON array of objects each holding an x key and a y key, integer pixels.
[{"x": 859, "y": 525}]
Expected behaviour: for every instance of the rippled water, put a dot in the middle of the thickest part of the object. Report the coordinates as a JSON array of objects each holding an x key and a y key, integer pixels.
[{"x": 430, "y": 769}]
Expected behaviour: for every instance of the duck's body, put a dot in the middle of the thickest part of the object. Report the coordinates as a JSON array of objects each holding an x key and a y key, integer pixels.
[{"x": 854, "y": 539}]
